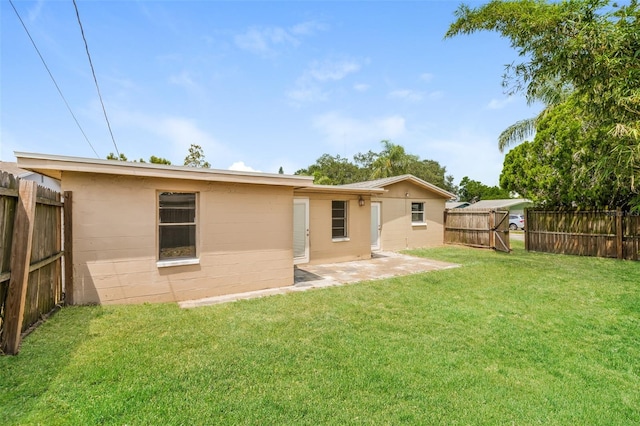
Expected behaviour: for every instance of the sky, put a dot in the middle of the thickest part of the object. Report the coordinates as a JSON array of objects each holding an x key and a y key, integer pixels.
[{"x": 259, "y": 85}]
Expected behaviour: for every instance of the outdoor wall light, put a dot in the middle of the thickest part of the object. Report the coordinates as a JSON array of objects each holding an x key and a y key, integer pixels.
[{"x": 360, "y": 201}]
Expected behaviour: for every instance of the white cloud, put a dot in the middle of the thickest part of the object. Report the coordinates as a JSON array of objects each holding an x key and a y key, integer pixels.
[
  {"x": 34, "y": 13},
  {"x": 309, "y": 86},
  {"x": 407, "y": 95},
  {"x": 333, "y": 70},
  {"x": 468, "y": 152},
  {"x": 241, "y": 167},
  {"x": 185, "y": 80},
  {"x": 176, "y": 132},
  {"x": 436, "y": 95},
  {"x": 265, "y": 40},
  {"x": 309, "y": 93},
  {"x": 340, "y": 130},
  {"x": 361, "y": 87},
  {"x": 426, "y": 76},
  {"x": 500, "y": 103},
  {"x": 308, "y": 28}
]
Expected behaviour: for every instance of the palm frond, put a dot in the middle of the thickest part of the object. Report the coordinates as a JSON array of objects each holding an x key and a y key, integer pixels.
[{"x": 517, "y": 132}]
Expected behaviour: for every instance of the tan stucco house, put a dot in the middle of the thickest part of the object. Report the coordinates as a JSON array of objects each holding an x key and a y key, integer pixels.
[
  {"x": 155, "y": 233},
  {"x": 408, "y": 214}
]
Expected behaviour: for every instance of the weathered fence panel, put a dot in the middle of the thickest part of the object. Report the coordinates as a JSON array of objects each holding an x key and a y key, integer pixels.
[
  {"x": 25, "y": 299},
  {"x": 611, "y": 233},
  {"x": 477, "y": 228}
]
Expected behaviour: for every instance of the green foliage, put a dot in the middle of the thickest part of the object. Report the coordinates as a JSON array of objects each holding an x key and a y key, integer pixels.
[
  {"x": 585, "y": 54},
  {"x": 473, "y": 190},
  {"x": 393, "y": 160},
  {"x": 523, "y": 339},
  {"x": 280, "y": 171},
  {"x": 121, "y": 157},
  {"x": 569, "y": 164},
  {"x": 153, "y": 159},
  {"x": 159, "y": 160},
  {"x": 329, "y": 170},
  {"x": 195, "y": 158}
]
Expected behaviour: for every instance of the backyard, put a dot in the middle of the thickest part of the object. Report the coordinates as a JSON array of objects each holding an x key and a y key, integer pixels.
[{"x": 518, "y": 338}]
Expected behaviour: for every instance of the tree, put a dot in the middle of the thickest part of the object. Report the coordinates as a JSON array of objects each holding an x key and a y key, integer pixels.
[
  {"x": 195, "y": 158},
  {"x": 567, "y": 165},
  {"x": 329, "y": 170},
  {"x": 586, "y": 53},
  {"x": 393, "y": 160},
  {"x": 153, "y": 159},
  {"x": 159, "y": 160},
  {"x": 473, "y": 190},
  {"x": 280, "y": 171},
  {"x": 121, "y": 157}
]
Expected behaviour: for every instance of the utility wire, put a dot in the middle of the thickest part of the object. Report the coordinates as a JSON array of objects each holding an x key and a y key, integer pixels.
[
  {"x": 86, "y": 46},
  {"x": 53, "y": 79}
]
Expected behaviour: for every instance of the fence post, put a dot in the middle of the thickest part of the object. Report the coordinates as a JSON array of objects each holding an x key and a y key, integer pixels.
[
  {"x": 619, "y": 239},
  {"x": 68, "y": 248},
  {"x": 20, "y": 260},
  {"x": 492, "y": 225},
  {"x": 527, "y": 224}
]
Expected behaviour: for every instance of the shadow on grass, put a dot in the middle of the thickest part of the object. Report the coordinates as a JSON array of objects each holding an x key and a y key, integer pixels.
[{"x": 44, "y": 353}]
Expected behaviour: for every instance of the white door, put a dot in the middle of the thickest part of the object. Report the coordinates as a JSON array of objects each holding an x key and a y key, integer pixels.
[
  {"x": 300, "y": 230},
  {"x": 375, "y": 226}
]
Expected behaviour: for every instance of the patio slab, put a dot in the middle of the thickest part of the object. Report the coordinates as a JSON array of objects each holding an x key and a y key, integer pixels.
[{"x": 381, "y": 265}]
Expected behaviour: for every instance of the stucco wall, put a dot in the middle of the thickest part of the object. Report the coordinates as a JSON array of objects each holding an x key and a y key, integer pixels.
[
  {"x": 397, "y": 231},
  {"x": 244, "y": 239},
  {"x": 323, "y": 248}
]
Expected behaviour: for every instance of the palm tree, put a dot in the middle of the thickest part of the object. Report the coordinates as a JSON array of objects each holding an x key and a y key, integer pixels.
[
  {"x": 392, "y": 161},
  {"x": 551, "y": 94}
]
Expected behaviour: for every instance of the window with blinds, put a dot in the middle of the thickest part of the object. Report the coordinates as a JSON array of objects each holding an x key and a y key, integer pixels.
[
  {"x": 339, "y": 219},
  {"x": 177, "y": 225}
]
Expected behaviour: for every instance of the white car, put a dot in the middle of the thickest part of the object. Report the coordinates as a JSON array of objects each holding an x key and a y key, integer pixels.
[{"x": 516, "y": 221}]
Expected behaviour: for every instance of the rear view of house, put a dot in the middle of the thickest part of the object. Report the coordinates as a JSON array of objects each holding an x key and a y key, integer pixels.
[
  {"x": 407, "y": 214},
  {"x": 156, "y": 233}
]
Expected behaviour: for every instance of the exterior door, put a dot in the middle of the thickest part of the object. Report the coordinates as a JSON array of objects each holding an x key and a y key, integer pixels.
[
  {"x": 300, "y": 230},
  {"x": 376, "y": 226}
]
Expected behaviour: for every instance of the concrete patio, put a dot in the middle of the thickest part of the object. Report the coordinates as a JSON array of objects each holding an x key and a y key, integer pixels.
[{"x": 381, "y": 265}]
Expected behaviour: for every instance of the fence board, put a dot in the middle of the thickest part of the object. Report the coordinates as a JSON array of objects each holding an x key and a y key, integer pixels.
[
  {"x": 598, "y": 233},
  {"x": 477, "y": 228},
  {"x": 43, "y": 290}
]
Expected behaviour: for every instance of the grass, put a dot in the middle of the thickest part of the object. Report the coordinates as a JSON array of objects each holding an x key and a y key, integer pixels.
[{"x": 523, "y": 338}]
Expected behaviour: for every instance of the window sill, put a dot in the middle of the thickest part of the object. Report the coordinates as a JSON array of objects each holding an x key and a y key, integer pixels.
[
  {"x": 418, "y": 224},
  {"x": 177, "y": 262},
  {"x": 340, "y": 240}
]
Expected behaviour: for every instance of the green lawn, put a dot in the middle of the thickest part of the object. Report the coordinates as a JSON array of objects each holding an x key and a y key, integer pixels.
[{"x": 522, "y": 339}]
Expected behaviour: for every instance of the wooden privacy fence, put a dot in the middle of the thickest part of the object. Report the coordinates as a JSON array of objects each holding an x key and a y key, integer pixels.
[
  {"x": 30, "y": 258},
  {"x": 477, "y": 228},
  {"x": 611, "y": 233}
]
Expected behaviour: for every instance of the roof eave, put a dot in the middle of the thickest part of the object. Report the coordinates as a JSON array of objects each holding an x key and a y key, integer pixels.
[{"x": 54, "y": 165}]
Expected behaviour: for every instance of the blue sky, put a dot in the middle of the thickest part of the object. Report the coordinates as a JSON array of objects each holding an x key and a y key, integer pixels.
[{"x": 258, "y": 85}]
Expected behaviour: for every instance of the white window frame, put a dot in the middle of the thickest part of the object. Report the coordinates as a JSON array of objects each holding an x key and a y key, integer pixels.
[
  {"x": 177, "y": 261},
  {"x": 345, "y": 218},
  {"x": 422, "y": 222}
]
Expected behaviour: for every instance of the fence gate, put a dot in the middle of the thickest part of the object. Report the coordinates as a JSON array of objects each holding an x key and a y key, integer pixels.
[
  {"x": 477, "y": 228},
  {"x": 500, "y": 230}
]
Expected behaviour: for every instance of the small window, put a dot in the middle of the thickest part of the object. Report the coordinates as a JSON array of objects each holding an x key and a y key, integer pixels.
[
  {"x": 177, "y": 225},
  {"x": 417, "y": 213},
  {"x": 338, "y": 219}
]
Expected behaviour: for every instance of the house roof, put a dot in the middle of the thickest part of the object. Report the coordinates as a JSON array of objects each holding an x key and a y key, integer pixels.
[
  {"x": 13, "y": 169},
  {"x": 341, "y": 189},
  {"x": 54, "y": 165},
  {"x": 498, "y": 204},
  {"x": 381, "y": 183},
  {"x": 455, "y": 204}
]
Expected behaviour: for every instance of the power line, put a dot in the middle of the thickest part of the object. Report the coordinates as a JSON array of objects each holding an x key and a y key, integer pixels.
[
  {"x": 86, "y": 46},
  {"x": 53, "y": 79}
]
